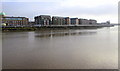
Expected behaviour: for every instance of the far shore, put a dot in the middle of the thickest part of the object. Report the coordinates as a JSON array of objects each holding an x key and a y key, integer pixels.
[{"x": 37, "y": 28}]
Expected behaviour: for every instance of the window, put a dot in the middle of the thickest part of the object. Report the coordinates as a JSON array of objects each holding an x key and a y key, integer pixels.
[{"x": 13, "y": 18}]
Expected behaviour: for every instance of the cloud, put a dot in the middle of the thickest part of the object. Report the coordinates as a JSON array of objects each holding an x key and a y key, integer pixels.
[
  {"x": 98, "y": 10},
  {"x": 88, "y": 3},
  {"x": 31, "y": 0},
  {"x": 71, "y": 8}
]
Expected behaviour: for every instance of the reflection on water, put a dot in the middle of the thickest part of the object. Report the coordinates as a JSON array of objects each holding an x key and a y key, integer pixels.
[
  {"x": 61, "y": 49},
  {"x": 64, "y": 33}
]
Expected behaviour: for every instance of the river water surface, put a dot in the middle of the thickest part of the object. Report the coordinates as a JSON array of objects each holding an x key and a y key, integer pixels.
[{"x": 61, "y": 49}]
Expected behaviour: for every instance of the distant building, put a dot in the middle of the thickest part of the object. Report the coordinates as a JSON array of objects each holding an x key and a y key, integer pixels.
[
  {"x": 83, "y": 21},
  {"x": 87, "y": 22},
  {"x": 12, "y": 21},
  {"x": 92, "y": 21},
  {"x": 43, "y": 20},
  {"x": 2, "y": 14},
  {"x": 108, "y": 22},
  {"x": 67, "y": 20},
  {"x": 74, "y": 21},
  {"x": 15, "y": 21},
  {"x": 58, "y": 20}
]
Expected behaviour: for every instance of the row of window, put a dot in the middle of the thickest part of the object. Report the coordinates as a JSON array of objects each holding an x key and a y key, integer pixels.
[
  {"x": 15, "y": 22},
  {"x": 13, "y": 18}
]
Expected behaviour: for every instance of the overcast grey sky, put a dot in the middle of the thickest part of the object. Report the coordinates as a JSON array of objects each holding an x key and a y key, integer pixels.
[{"x": 101, "y": 10}]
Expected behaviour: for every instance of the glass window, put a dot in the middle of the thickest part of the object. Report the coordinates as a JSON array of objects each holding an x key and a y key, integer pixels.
[{"x": 13, "y": 18}]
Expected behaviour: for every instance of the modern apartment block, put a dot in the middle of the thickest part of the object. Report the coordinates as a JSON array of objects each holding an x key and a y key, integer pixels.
[
  {"x": 15, "y": 21},
  {"x": 67, "y": 21},
  {"x": 83, "y": 21},
  {"x": 87, "y": 22},
  {"x": 58, "y": 20},
  {"x": 91, "y": 21},
  {"x": 74, "y": 21},
  {"x": 43, "y": 20}
]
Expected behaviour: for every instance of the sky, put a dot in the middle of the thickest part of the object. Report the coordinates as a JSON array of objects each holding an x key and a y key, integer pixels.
[{"x": 100, "y": 10}]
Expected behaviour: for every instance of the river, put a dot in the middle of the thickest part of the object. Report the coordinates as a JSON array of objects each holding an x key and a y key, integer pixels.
[{"x": 61, "y": 49}]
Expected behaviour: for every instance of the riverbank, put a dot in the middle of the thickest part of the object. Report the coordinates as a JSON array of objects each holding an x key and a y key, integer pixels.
[{"x": 35, "y": 28}]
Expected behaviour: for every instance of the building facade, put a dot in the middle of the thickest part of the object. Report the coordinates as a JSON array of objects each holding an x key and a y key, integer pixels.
[
  {"x": 83, "y": 21},
  {"x": 15, "y": 21},
  {"x": 87, "y": 22},
  {"x": 58, "y": 20},
  {"x": 43, "y": 20},
  {"x": 67, "y": 21},
  {"x": 91, "y": 21},
  {"x": 74, "y": 21}
]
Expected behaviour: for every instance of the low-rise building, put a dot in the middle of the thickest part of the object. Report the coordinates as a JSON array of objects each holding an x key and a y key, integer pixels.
[
  {"x": 15, "y": 21},
  {"x": 43, "y": 20},
  {"x": 1, "y": 15}
]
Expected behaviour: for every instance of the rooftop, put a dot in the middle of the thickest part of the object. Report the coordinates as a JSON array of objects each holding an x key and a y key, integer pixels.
[{"x": 2, "y": 13}]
